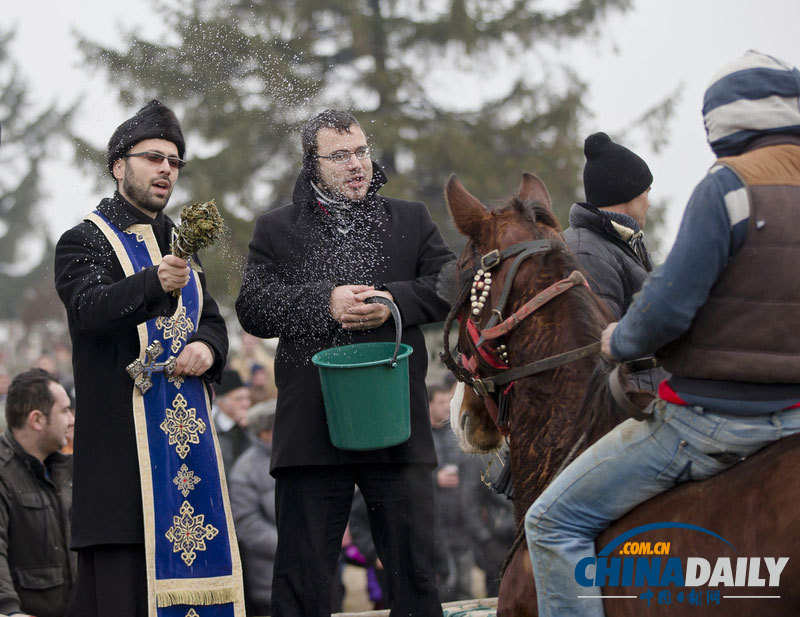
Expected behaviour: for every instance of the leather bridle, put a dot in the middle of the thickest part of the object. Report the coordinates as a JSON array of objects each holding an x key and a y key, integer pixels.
[{"x": 486, "y": 370}]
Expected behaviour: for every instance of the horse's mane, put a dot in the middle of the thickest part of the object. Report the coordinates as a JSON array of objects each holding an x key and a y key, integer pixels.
[{"x": 598, "y": 411}]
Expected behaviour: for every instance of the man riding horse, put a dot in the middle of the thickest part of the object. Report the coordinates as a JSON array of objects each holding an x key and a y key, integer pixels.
[{"x": 722, "y": 313}]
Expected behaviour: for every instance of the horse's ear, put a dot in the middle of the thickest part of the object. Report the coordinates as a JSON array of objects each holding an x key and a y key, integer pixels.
[
  {"x": 533, "y": 189},
  {"x": 469, "y": 214}
]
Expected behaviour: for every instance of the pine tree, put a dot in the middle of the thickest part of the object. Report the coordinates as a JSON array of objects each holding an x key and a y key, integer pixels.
[
  {"x": 244, "y": 75},
  {"x": 26, "y": 251}
]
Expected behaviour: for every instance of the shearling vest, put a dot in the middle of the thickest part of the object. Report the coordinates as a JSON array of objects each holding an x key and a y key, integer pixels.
[{"x": 749, "y": 328}]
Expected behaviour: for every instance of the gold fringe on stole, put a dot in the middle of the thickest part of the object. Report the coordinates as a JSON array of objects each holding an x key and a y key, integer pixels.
[{"x": 199, "y": 597}]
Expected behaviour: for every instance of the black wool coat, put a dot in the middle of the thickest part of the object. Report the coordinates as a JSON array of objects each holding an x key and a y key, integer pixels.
[
  {"x": 297, "y": 256},
  {"x": 103, "y": 309}
]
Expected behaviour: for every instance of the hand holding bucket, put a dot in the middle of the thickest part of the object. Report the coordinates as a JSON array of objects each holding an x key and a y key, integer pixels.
[
  {"x": 365, "y": 390},
  {"x": 398, "y": 322}
]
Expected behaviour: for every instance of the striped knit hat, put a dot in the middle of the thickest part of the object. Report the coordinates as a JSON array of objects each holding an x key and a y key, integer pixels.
[{"x": 753, "y": 96}]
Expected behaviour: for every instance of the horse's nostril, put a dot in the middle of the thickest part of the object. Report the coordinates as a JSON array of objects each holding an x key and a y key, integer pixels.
[{"x": 463, "y": 422}]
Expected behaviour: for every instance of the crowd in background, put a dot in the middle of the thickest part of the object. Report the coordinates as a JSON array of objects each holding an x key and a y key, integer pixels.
[{"x": 474, "y": 526}]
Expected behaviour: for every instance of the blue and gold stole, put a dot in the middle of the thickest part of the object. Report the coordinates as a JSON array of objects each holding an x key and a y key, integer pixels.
[{"x": 193, "y": 567}]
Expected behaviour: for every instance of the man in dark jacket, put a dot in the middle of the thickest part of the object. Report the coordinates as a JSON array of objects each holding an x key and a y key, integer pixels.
[
  {"x": 606, "y": 232},
  {"x": 312, "y": 265},
  {"x": 725, "y": 331},
  {"x": 36, "y": 566},
  {"x": 116, "y": 277},
  {"x": 252, "y": 491}
]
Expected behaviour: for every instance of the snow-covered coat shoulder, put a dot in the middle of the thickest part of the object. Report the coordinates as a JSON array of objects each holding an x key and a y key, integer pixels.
[{"x": 297, "y": 256}]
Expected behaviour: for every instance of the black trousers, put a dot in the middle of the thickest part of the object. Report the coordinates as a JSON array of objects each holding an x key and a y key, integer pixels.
[
  {"x": 312, "y": 506},
  {"x": 111, "y": 582}
]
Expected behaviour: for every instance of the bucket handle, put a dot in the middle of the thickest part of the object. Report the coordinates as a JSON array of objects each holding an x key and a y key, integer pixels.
[{"x": 398, "y": 322}]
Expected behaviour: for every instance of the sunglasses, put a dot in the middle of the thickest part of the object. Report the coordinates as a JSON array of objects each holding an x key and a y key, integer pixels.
[{"x": 158, "y": 158}]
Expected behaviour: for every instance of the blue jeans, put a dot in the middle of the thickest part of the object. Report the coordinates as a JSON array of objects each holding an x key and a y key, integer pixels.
[{"x": 632, "y": 463}]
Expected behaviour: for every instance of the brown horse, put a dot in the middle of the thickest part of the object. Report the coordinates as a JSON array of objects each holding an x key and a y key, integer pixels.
[{"x": 551, "y": 414}]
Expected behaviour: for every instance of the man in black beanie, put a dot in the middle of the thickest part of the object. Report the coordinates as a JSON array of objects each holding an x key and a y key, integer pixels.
[
  {"x": 124, "y": 293},
  {"x": 606, "y": 231}
]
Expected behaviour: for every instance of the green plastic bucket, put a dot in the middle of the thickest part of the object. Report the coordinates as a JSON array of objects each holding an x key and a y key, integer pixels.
[{"x": 366, "y": 393}]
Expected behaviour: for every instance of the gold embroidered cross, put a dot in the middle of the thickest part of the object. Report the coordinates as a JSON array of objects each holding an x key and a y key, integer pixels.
[
  {"x": 178, "y": 327},
  {"x": 182, "y": 426},
  {"x": 185, "y": 480},
  {"x": 188, "y": 534},
  {"x": 142, "y": 372}
]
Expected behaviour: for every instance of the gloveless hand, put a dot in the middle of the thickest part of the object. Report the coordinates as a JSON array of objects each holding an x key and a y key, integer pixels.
[
  {"x": 173, "y": 273},
  {"x": 362, "y": 316},
  {"x": 344, "y": 297},
  {"x": 195, "y": 359},
  {"x": 605, "y": 340}
]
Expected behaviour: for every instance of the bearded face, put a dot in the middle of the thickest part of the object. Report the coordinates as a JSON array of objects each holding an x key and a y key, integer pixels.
[
  {"x": 350, "y": 179},
  {"x": 145, "y": 184}
]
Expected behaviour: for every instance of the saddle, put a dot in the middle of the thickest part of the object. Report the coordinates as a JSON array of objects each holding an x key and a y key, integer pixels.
[{"x": 638, "y": 404}]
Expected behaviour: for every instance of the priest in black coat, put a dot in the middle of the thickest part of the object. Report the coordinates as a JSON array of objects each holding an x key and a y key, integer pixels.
[
  {"x": 312, "y": 264},
  {"x": 104, "y": 308}
]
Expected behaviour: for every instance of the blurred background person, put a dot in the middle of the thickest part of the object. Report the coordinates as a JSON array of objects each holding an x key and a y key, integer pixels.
[
  {"x": 488, "y": 516},
  {"x": 68, "y": 447},
  {"x": 262, "y": 386},
  {"x": 256, "y": 366},
  {"x": 5, "y": 382},
  {"x": 454, "y": 577},
  {"x": 359, "y": 549},
  {"x": 37, "y": 569},
  {"x": 252, "y": 491},
  {"x": 231, "y": 402}
]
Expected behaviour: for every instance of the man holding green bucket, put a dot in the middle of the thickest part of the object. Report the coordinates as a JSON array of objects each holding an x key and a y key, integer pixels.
[{"x": 312, "y": 266}]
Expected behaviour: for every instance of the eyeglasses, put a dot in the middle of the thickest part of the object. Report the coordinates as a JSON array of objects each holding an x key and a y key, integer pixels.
[
  {"x": 158, "y": 158},
  {"x": 343, "y": 156}
]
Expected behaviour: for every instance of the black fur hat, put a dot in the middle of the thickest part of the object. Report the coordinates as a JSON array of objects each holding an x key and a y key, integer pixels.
[{"x": 153, "y": 121}]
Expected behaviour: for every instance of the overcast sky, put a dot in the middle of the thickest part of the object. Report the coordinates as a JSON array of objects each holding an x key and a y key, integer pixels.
[{"x": 638, "y": 58}]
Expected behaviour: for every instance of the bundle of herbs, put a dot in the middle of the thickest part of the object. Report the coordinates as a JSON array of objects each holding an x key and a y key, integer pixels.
[{"x": 200, "y": 226}]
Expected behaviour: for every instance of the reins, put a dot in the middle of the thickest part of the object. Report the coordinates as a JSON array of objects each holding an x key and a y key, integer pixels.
[
  {"x": 542, "y": 298},
  {"x": 467, "y": 370},
  {"x": 490, "y": 384},
  {"x": 486, "y": 263}
]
